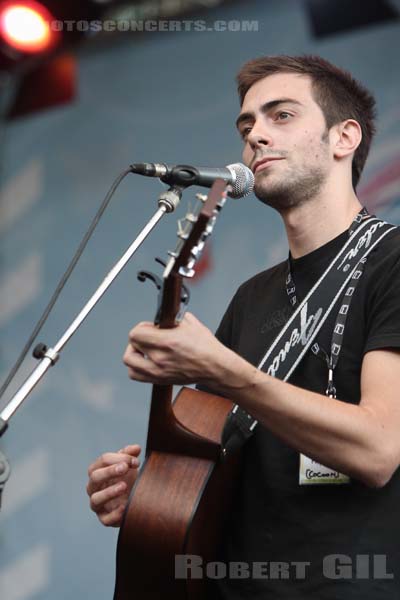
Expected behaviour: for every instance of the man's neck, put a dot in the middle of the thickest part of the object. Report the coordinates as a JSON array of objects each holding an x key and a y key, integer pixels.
[{"x": 316, "y": 222}]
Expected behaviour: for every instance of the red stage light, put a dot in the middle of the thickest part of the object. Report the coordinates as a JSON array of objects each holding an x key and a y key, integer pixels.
[{"x": 26, "y": 26}]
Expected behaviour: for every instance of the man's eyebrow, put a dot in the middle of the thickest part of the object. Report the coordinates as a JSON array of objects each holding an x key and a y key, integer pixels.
[{"x": 247, "y": 116}]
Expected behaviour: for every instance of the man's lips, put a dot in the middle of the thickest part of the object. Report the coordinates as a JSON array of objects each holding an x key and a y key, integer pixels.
[{"x": 262, "y": 163}]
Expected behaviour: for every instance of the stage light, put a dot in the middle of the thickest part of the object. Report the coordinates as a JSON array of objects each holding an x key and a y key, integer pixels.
[
  {"x": 26, "y": 27},
  {"x": 50, "y": 84}
]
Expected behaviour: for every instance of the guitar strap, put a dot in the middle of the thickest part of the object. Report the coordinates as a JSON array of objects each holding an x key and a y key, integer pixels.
[{"x": 299, "y": 332}]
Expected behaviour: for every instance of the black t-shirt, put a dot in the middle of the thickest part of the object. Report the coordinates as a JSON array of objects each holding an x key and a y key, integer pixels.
[{"x": 274, "y": 518}]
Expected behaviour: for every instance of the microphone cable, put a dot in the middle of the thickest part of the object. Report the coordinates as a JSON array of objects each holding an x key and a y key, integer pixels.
[{"x": 63, "y": 281}]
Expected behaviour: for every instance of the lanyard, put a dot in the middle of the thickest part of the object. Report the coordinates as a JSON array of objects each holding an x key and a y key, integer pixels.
[
  {"x": 338, "y": 331},
  {"x": 293, "y": 341}
]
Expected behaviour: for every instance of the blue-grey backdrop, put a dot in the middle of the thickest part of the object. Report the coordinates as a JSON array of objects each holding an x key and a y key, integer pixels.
[{"x": 167, "y": 97}]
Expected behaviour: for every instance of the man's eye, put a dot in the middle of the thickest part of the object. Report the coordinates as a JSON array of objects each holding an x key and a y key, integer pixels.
[
  {"x": 284, "y": 114},
  {"x": 245, "y": 132}
]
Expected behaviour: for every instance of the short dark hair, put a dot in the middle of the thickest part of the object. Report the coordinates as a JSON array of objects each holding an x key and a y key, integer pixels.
[{"x": 335, "y": 90}]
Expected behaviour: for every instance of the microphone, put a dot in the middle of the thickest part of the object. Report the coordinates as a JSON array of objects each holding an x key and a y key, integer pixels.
[{"x": 239, "y": 177}]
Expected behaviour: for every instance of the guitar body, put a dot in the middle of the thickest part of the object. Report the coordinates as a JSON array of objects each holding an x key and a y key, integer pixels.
[{"x": 177, "y": 507}]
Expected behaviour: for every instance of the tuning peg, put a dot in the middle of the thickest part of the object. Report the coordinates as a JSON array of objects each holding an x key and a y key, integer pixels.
[
  {"x": 160, "y": 261},
  {"x": 143, "y": 275},
  {"x": 183, "y": 228}
]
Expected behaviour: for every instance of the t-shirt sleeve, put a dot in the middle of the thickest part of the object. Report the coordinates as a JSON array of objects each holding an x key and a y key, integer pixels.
[
  {"x": 383, "y": 326},
  {"x": 224, "y": 329},
  {"x": 224, "y": 335}
]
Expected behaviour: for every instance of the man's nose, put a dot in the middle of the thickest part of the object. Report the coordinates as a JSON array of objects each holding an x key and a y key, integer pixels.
[{"x": 259, "y": 137}]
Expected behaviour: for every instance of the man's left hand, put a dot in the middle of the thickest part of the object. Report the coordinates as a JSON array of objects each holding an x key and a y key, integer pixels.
[{"x": 188, "y": 353}]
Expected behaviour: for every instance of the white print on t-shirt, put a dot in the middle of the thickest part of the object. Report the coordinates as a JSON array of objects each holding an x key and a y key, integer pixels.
[{"x": 307, "y": 326}]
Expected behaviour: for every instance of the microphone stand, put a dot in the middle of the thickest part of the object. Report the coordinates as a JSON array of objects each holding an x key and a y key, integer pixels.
[
  {"x": 4, "y": 472},
  {"x": 167, "y": 202}
]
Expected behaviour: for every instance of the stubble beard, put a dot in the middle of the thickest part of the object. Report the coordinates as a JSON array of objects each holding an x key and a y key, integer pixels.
[{"x": 296, "y": 186}]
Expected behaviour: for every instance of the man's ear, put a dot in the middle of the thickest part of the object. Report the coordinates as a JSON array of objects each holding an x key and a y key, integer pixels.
[{"x": 347, "y": 138}]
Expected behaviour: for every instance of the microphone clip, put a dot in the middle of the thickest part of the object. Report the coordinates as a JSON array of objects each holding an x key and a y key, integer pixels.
[{"x": 170, "y": 198}]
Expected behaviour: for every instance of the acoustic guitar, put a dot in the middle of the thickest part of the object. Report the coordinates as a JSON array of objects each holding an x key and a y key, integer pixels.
[{"x": 177, "y": 507}]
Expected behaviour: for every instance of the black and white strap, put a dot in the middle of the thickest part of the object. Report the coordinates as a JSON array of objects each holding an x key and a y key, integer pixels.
[{"x": 286, "y": 352}]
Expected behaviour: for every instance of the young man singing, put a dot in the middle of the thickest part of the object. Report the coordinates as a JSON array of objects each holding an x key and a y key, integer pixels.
[{"x": 320, "y": 482}]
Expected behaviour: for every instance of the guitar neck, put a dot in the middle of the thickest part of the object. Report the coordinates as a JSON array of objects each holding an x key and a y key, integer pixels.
[{"x": 165, "y": 432}]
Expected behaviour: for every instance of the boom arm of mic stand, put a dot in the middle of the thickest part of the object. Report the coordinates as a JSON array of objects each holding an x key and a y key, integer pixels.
[{"x": 168, "y": 201}]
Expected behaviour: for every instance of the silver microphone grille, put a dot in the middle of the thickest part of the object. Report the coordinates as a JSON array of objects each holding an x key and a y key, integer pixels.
[{"x": 243, "y": 183}]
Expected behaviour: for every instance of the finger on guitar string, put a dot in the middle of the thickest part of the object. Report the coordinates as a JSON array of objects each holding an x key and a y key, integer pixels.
[
  {"x": 112, "y": 519},
  {"x": 133, "y": 356},
  {"x": 139, "y": 335},
  {"x": 120, "y": 502},
  {"x": 132, "y": 449},
  {"x": 104, "y": 477},
  {"x": 112, "y": 458},
  {"x": 140, "y": 368},
  {"x": 98, "y": 499},
  {"x": 111, "y": 477}
]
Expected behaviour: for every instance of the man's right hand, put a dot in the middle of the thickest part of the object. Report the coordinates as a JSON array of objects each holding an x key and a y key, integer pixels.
[{"x": 111, "y": 477}]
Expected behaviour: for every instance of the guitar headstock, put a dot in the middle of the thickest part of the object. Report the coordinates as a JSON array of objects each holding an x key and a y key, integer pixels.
[{"x": 194, "y": 230}]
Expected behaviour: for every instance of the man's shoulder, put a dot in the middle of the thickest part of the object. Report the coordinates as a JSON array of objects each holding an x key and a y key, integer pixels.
[
  {"x": 387, "y": 250},
  {"x": 392, "y": 239}
]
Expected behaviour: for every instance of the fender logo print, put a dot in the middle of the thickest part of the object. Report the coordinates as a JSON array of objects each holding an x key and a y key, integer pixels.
[{"x": 307, "y": 326}]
